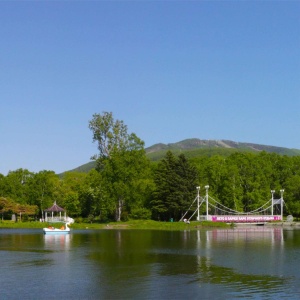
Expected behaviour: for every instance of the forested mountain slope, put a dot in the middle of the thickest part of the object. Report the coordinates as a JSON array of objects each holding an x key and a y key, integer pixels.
[{"x": 196, "y": 147}]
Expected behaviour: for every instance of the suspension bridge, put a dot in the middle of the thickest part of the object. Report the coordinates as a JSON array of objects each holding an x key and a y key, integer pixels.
[{"x": 215, "y": 211}]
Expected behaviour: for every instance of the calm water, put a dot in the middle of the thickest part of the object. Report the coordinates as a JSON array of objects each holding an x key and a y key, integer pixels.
[{"x": 254, "y": 263}]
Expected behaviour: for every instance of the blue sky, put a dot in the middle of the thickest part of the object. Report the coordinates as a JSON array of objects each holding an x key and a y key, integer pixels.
[{"x": 171, "y": 70}]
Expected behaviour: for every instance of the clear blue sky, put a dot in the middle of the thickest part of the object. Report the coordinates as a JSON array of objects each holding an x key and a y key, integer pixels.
[{"x": 171, "y": 70}]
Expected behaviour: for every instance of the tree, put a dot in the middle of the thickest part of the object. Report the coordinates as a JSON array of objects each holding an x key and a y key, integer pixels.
[
  {"x": 187, "y": 180},
  {"x": 92, "y": 196},
  {"x": 44, "y": 188},
  {"x": 111, "y": 136},
  {"x": 7, "y": 206},
  {"x": 165, "y": 187},
  {"x": 175, "y": 182},
  {"x": 16, "y": 185},
  {"x": 121, "y": 161},
  {"x": 70, "y": 188}
]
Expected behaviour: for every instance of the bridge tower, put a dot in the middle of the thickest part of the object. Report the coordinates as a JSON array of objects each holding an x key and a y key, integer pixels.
[
  {"x": 277, "y": 201},
  {"x": 206, "y": 198}
]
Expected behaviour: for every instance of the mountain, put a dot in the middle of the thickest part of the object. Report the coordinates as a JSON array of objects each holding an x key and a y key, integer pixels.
[
  {"x": 196, "y": 147},
  {"x": 192, "y": 144}
]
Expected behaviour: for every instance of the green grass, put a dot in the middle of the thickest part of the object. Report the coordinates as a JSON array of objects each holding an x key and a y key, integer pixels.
[
  {"x": 11, "y": 224},
  {"x": 149, "y": 224},
  {"x": 133, "y": 224}
]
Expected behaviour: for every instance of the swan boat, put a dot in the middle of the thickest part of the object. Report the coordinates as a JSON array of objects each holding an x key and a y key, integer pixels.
[{"x": 52, "y": 230}]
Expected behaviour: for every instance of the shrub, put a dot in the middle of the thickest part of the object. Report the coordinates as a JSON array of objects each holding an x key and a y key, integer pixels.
[{"x": 140, "y": 213}]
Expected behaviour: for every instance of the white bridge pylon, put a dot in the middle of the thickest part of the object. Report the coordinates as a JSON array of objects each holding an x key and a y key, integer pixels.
[{"x": 265, "y": 213}]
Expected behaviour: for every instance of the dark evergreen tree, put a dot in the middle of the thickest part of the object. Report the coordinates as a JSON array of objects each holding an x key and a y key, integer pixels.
[
  {"x": 187, "y": 180},
  {"x": 175, "y": 182}
]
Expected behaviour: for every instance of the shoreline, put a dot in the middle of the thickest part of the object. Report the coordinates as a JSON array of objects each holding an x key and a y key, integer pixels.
[{"x": 149, "y": 225}]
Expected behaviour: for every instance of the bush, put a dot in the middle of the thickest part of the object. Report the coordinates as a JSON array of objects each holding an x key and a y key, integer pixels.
[
  {"x": 91, "y": 218},
  {"x": 124, "y": 216},
  {"x": 24, "y": 218},
  {"x": 140, "y": 214},
  {"x": 79, "y": 220},
  {"x": 105, "y": 217}
]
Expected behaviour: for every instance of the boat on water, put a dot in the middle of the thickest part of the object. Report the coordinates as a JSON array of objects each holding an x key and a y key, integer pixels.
[{"x": 65, "y": 229}]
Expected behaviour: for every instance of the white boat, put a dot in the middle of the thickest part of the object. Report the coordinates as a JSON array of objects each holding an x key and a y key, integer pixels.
[{"x": 52, "y": 230}]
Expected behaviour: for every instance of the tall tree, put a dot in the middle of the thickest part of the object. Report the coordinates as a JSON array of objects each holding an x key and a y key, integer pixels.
[
  {"x": 111, "y": 136},
  {"x": 187, "y": 180},
  {"x": 175, "y": 182},
  {"x": 121, "y": 160},
  {"x": 165, "y": 187}
]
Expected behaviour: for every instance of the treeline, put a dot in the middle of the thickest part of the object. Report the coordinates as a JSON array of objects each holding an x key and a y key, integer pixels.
[
  {"x": 160, "y": 191},
  {"x": 126, "y": 184}
]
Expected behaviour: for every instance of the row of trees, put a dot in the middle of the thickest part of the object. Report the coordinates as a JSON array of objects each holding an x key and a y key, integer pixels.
[
  {"x": 243, "y": 181},
  {"x": 125, "y": 184}
]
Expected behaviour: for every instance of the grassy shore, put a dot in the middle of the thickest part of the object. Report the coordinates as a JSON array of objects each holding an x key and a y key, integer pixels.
[{"x": 133, "y": 224}]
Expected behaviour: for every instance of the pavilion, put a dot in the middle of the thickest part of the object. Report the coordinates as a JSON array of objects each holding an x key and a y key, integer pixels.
[{"x": 56, "y": 213}]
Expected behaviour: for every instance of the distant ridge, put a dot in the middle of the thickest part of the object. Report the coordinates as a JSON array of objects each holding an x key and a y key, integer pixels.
[
  {"x": 194, "y": 143},
  {"x": 196, "y": 147}
]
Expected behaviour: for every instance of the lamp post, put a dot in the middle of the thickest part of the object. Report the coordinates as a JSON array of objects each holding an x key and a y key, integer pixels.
[
  {"x": 206, "y": 188},
  {"x": 281, "y": 203},
  {"x": 272, "y": 192},
  {"x": 198, "y": 200}
]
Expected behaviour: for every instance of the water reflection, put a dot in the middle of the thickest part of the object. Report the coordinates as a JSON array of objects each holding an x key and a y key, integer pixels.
[
  {"x": 242, "y": 259},
  {"x": 272, "y": 235},
  {"x": 57, "y": 241},
  {"x": 238, "y": 240},
  {"x": 246, "y": 260},
  {"x": 231, "y": 279},
  {"x": 124, "y": 264}
]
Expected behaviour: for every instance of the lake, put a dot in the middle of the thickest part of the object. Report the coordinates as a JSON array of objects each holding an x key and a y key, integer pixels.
[{"x": 251, "y": 263}]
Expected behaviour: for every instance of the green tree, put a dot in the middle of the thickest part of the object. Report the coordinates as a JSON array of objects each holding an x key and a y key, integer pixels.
[
  {"x": 100, "y": 205},
  {"x": 175, "y": 182},
  {"x": 165, "y": 186},
  {"x": 2, "y": 185},
  {"x": 112, "y": 136},
  {"x": 44, "y": 189},
  {"x": 187, "y": 180},
  {"x": 16, "y": 185},
  {"x": 70, "y": 187},
  {"x": 231, "y": 192},
  {"x": 121, "y": 162}
]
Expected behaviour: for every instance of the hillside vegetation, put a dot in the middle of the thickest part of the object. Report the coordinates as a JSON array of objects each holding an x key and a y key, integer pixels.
[{"x": 193, "y": 148}]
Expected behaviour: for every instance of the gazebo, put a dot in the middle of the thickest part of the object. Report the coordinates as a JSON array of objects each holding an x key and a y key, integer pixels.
[{"x": 56, "y": 215}]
